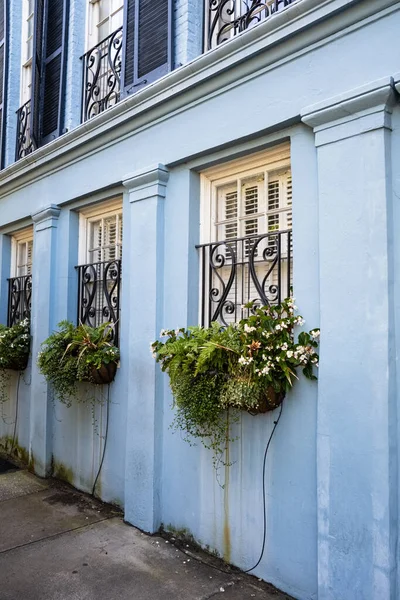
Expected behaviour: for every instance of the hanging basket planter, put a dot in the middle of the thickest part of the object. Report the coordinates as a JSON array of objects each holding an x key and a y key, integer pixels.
[
  {"x": 18, "y": 365},
  {"x": 104, "y": 375},
  {"x": 75, "y": 354},
  {"x": 270, "y": 401}
]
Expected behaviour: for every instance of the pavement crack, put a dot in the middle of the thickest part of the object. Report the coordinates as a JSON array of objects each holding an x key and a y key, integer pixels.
[{"x": 55, "y": 535}]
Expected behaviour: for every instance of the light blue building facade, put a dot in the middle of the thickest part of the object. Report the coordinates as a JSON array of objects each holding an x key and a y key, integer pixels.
[{"x": 301, "y": 102}]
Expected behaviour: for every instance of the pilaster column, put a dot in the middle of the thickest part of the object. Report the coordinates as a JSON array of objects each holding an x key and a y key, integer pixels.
[
  {"x": 143, "y": 291},
  {"x": 5, "y": 264},
  {"x": 356, "y": 431},
  {"x": 42, "y": 323}
]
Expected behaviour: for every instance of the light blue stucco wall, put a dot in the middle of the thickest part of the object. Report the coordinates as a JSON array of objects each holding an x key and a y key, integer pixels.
[
  {"x": 14, "y": 78},
  {"x": 332, "y": 470}
]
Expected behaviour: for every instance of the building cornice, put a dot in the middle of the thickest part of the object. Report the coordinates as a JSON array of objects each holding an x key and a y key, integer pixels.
[
  {"x": 207, "y": 75},
  {"x": 356, "y": 111},
  {"x": 147, "y": 183}
]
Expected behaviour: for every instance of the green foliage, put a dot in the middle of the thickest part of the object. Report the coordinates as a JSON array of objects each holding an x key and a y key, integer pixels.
[
  {"x": 248, "y": 365},
  {"x": 15, "y": 344},
  {"x": 70, "y": 354}
]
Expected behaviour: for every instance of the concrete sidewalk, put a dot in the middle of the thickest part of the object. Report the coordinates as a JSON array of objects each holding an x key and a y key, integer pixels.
[{"x": 59, "y": 544}]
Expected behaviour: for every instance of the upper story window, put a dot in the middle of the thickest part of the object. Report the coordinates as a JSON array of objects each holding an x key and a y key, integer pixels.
[
  {"x": 27, "y": 49},
  {"x": 246, "y": 241},
  {"x": 129, "y": 46},
  {"x": 20, "y": 282},
  {"x": 105, "y": 17},
  {"x": 227, "y": 19},
  {"x": 99, "y": 274},
  {"x": 40, "y": 118}
]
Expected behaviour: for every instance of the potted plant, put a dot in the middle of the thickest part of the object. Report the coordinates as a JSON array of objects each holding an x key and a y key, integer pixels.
[
  {"x": 217, "y": 371},
  {"x": 78, "y": 354},
  {"x": 15, "y": 344}
]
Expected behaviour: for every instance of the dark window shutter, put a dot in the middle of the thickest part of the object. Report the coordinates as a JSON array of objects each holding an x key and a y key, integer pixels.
[
  {"x": 147, "y": 42},
  {"x": 3, "y": 76},
  {"x": 37, "y": 71},
  {"x": 50, "y": 52},
  {"x": 129, "y": 42}
]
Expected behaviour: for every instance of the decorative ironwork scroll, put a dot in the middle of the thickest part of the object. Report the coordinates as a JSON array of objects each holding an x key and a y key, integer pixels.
[
  {"x": 24, "y": 142},
  {"x": 99, "y": 287},
  {"x": 235, "y": 272},
  {"x": 226, "y": 18},
  {"x": 19, "y": 299},
  {"x": 102, "y": 75}
]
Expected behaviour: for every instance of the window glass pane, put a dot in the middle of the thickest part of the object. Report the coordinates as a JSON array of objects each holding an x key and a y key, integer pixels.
[
  {"x": 117, "y": 20},
  {"x": 105, "y": 238},
  {"x": 104, "y": 6},
  {"x": 103, "y": 31}
]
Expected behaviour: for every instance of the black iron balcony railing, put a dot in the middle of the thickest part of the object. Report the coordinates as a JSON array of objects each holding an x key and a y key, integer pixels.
[
  {"x": 19, "y": 299},
  {"x": 102, "y": 75},
  {"x": 24, "y": 142},
  {"x": 99, "y": 286},
  {"x": 235, "y": 272},
  {"x": 226, "y": 18}
]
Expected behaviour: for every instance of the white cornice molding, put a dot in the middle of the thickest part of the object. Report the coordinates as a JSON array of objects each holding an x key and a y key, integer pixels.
[
  {"x": 209, "y": 74},
  {"x": 147, "y": 183},
  {"x": 396, "y": 81},
  {"x": 357, "y": 111},
  {"x": 46, "y": 217}
]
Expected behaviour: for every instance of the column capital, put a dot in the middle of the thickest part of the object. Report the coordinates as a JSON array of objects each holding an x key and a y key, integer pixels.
[
  {"x": 356, "y": 111},
  {"x": 45, "y": 215},
  {"x": 147, "y": 183}
]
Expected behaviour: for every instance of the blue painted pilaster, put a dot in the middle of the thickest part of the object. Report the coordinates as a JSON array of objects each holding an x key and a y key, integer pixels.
[
  {"x": 5, "y": 262},
  {"x": 356, "y": 431},
  {"x": 42, "y": 323},
  {"x": 144, "y": 252}
]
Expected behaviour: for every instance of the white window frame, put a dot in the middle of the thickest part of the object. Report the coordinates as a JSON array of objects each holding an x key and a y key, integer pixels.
[
  {"x": 273, "y": 162},
  {"x": 19, "y": 237},
  {"x": 270, "y": 165},
  {"x": 94, "y": 23},
  {"x": 26, "y": 61},
  {"x": 101, "y": 210}
]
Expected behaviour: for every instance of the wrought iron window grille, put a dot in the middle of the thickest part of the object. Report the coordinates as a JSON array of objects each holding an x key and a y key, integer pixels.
[
  {"x": 19, "y": 299},
  {"x": 102, "y": 75},
  {"x": 24, "y": 142},
  {"x": 227, "y": 18},
  {"x": 99, "y": 287},
  {"x": 234, "y": 272}
]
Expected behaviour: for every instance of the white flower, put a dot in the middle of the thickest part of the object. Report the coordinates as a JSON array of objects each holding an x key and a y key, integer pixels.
[
  {"x": 314, "y": 361},
  {"x": 315, "y": 333},
  {"x": 284, "y": 346},
  {"x": 278, "y": 327},
  {"x": 289, "y": 353},
  {"x": 249, "y": 329},
  {"x": 245, "y": 361},
  {"x": 163, "y": 332},
  {"x": 300, "y": 321}
]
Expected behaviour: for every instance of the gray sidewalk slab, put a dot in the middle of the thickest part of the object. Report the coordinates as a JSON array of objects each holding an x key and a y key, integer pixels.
[{"x": 58, "y": 544}]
